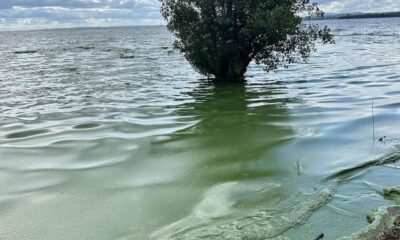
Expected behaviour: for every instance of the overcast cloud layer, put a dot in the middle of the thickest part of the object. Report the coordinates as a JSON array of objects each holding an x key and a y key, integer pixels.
[{"x": 33, "y": 14}]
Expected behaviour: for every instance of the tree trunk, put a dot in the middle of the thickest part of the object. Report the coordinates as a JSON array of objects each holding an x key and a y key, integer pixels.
[{"x": 232, "y": 71}]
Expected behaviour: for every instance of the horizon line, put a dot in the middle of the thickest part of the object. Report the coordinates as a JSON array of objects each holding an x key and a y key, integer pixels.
[{"x": 327, "y": 16}]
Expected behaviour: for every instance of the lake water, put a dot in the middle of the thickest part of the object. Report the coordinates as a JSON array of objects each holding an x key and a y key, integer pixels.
[{"x": 109, "y": 134}]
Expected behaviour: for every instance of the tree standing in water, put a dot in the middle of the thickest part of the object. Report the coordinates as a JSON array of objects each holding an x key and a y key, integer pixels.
[{"x": 221, "y": 37}]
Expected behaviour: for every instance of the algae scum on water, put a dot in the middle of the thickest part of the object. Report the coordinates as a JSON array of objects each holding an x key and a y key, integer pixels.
[
  {"x": 287, "y": 213},
  {"x": 110, "y": 134}
]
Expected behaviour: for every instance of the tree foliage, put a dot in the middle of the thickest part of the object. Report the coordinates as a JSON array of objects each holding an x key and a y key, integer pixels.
[{"x": 221, "y": 37}]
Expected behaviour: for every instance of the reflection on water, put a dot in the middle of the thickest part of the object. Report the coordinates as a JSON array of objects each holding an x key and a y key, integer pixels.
[
  {"x": 234, "y": 129},
  {"x": 114, "y": 136},
  {"x": 234, "y": 126}
]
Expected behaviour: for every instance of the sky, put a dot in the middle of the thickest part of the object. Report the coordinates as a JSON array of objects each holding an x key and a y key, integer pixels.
[{"x": 37, "y": 14}]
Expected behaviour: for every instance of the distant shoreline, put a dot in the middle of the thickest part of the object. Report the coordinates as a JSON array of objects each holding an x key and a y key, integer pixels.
[
  {"x": 357, "y": 16},
  {"x": 326, "y": 17}
]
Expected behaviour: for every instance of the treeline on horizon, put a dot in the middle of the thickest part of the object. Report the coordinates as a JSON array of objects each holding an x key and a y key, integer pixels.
[{"x": 358, "y": 15}]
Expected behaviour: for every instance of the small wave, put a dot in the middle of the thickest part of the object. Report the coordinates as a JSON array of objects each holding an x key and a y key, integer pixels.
[
  {"x": 25, "y": 52},
  {"x": 390, "y": 106},
  {"x": 126, "y": 56},
  {"x": 393, "y": 93},
  {"x": 346, "y": 173},
  {"x": 71, "y": 69},
  {"x": 87, "y": 126},
  {"x": 26, "y": 134},
  {"x": 395, "y": 77},
  {"x": 86, "y": 47}
]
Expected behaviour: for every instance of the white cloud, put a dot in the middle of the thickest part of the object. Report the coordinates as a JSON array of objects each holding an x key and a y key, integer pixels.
[
  {"x": 346, "y": 6},
  {"x": 33, "y": 14},
  {"x": 86, "y": 13}
]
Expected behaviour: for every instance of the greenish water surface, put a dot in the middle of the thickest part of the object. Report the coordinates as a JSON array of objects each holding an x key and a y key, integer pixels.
[{"x": 109, "y": 134}]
